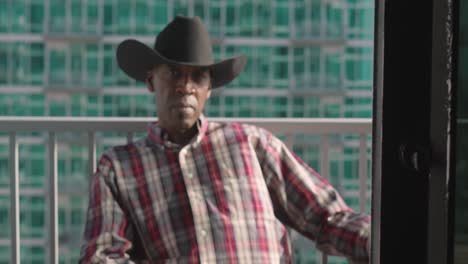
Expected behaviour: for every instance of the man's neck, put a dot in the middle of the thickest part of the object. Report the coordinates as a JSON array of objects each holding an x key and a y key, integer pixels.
[{"x": 182, "y": 137}]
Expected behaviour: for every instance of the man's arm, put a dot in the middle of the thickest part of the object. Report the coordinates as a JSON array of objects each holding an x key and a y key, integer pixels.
[
  {"x": 305, "y": 201},
  {"x": 108, "y": 233}
]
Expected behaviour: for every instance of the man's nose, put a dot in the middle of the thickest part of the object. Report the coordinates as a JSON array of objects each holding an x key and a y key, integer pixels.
[{"x": 185, "y": 84}]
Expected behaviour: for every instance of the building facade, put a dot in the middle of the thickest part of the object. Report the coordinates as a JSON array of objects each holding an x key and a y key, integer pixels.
[{"x": 306, "y": 58}]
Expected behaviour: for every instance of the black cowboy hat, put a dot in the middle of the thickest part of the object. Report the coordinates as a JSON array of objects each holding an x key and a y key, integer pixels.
[{"x": 184, "y": 41}]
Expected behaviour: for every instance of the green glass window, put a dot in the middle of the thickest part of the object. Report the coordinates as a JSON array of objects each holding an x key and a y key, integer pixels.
[
  {"x": 306, "y": 68},
  {"x": 76, "y": 64},
  {"x": 142, "y": 17},
  {"x": 108, "y": 105},
  {"x": 299, "y": 18},
  {"x": 4, "y": 216},
  {"x": 332, "y": 110},
  {"x": 332, "y": 70},
  {"x": 92, "y": 65},
  {"x": 109, "y": 19},
  {"x": 4, "y": 52},
  {"x": 359, "y": 64},
  {"x": 281, "y": 23},
  {"x": 144, "y": 105},
  {"x": 124, "y": 19},
  {"x": 36, "y": 16},
  {"x": 19, "y": 63},
  {"x": 18, "y": 19},
  {"x": 311, "y": 107},
  {"x": 77, "y": 16},
  {"x": 313, "y": 62},
  {"x": 57, "y": 64},
  {"x": 36, "y": 57},
  {"x": 247, "y": 26},
  {"x": 315, "y": 26},
  {"x": 92, "y": 21},
  {"x": 214, "y": 20},
  {"x": 297, "y": 107},
  {"x": 200, "y": 9},
  {"x": 361, "y": 20},
  {"x": 334, "y": 18},
  {"x": 232, "y": 12},
  {"x": 57, "y": 21},
  {"x": 262, "y": 71},
  {"x": 159, "y": 16},
  {"x": 280, "y": 67},
  {"x": 92, "y": 106},
  {"x": 37, "y": 105},
  {"x": 278, "y": 107},
  {"x": 77, "y": 105},
  {"x": 108, "y": 78},
  {"x": 57, "y": 107},
  {"x": 180, "y": 7},
  {"x": 4, "y": 16},
  {"x": 212, "y": 106}
]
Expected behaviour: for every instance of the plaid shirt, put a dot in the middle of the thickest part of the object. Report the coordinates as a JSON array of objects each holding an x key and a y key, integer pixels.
[{"x": 226, "y": 197}]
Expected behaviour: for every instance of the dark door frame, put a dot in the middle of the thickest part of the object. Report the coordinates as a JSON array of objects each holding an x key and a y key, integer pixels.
[{"x": 413, "y": 133}]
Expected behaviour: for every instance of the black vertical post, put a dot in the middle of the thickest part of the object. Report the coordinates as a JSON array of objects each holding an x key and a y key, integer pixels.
[{"x": 401, "y": 144}]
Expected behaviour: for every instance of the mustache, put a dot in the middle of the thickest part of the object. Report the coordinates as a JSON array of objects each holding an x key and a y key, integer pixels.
[{"x": 186, "y": 101}]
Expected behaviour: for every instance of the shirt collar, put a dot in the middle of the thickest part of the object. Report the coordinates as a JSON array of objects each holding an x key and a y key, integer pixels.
[{"x": 158, "y": 135}]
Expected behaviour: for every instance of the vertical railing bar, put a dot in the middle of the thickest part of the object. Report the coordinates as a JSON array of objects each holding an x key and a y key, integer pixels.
[
  {"x": 130, "y": 137},
  {"x": 92, "y": 154},
  {"x": 324, "y": 169},
  {"x": 53, "y": 199},
  {"x": 289, "y": 140},
  {"x": 324, "y": 258},
  {"x": 14, "y": 187},
  {"x": 362, "y": 172},
  {"x": 324, "y": 159}
]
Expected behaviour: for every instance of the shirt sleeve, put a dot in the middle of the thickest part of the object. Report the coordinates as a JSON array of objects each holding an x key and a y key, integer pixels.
[
  {"x": 108, "y": 233},
  {"x": 307, "y": 202}
]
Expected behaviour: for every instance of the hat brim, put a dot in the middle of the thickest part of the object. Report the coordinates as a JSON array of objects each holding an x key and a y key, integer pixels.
[{"x": 137, "y": 59}]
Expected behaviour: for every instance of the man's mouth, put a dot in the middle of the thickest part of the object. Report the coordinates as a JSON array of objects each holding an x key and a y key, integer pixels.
[{"x": 183, "y": 106}]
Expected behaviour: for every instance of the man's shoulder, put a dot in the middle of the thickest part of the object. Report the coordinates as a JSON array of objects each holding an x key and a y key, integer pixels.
[
  {"x": 125, "y": 151},
  {"x": 247, "y": 129},
  {"x": 238, "y": 126}
]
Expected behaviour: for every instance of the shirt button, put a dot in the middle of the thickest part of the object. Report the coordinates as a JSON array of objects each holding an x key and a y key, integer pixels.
[
  {"x": 189, "y": 175},
  {"x": 203, "y": 232}
]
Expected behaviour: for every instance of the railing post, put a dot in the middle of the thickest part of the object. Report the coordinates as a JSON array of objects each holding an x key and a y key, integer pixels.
[
  {"x": 129, "y": 137},
  {"x": 324, "y": 169},
  {"x": 289, "y": 140},
  {"x": 92, "y": 155},
  {"x": 14, "y": 183},
  {"x": 363, "y": 172},
  {"x": 53, "y": 199}
]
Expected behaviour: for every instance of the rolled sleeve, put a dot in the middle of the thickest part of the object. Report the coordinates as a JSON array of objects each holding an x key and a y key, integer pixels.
[
  {"x": 108, "y": 234},
  {"x": 307, "y": 202}
]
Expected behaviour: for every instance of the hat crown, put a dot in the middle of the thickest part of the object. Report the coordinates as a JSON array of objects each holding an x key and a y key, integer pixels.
[{"x": 185, "y": 40}]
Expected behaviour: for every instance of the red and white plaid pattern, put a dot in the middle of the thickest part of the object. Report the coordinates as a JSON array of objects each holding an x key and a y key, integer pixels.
[{"x": 226, "y": 197}]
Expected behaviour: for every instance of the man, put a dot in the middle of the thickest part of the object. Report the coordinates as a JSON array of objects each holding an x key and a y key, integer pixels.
[{"x": 195, "y": 191}]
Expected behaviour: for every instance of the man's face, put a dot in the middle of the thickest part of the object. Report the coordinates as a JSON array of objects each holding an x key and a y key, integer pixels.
[{"x": 181, "y": 93}]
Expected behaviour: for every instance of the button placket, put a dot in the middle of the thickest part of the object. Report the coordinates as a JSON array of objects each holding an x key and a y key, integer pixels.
[{"x": 197, "y": 204}]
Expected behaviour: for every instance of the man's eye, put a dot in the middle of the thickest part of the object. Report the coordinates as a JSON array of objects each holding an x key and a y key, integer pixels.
[
  {"x": 175, "y": 73},
  {"x": 200, "y": 75}
]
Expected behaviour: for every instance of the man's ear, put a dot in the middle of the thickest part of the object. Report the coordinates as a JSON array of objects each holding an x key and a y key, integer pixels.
[{"x": 149, "y": 83}]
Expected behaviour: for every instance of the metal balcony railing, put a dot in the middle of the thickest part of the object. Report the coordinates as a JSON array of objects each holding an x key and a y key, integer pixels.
[{"x": 129, "y": 126}]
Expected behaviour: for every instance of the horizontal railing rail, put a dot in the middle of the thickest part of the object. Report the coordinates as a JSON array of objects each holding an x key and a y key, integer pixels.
[{"x": 11, "y": 126}]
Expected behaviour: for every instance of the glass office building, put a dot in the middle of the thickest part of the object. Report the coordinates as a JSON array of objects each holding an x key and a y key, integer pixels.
[{"x": 306, "y": 58}]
